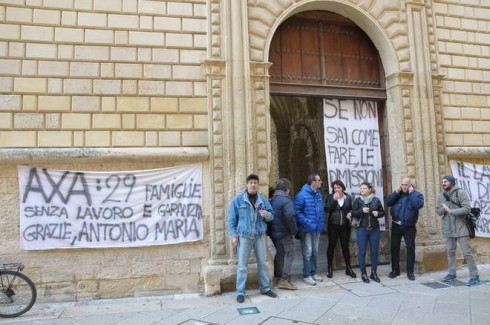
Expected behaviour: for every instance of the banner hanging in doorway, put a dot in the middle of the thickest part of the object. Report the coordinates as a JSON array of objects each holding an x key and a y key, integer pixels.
[
  {"x": 474, "y": 179},
  {"x": 75, "y": 209},
  {"x": 352, "y": 144}
]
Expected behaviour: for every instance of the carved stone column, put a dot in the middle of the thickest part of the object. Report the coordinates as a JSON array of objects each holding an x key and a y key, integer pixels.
[
  {"x": 236, "y": 133},
  {"x": 260, "y": 130},
  {"x": 217, "y": 267},
  {"x": 423, "y": 125},
  {"x": 220, "y": 152}
]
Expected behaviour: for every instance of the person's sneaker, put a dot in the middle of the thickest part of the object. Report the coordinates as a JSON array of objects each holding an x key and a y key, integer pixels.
[
  {"x": 309, "y": 280},
  {"x": 411, "y": 276},
  {"x": 317, "y": 278},
  {"x": 285, "y": 284},
  {"x": 240, "y": 298},
  {"x": 393, "y": 274},
  {"x": 473, "y": 281},
  {"x": 449, "y": 278},
  {"x": 270, "y": 293}
]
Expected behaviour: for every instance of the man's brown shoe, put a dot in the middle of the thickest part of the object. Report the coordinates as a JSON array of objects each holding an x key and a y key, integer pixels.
[{"x": 285, "y": 284}]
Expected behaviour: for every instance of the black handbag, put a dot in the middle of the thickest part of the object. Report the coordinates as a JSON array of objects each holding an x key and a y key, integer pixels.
[{"x": 471, "y": 219}]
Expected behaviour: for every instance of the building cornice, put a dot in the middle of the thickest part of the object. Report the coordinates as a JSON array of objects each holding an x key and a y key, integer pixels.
[{"x": 99, "y": 155}]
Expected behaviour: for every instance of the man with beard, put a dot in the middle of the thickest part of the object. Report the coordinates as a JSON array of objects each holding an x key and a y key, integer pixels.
[{"x": 453, "y": 205}]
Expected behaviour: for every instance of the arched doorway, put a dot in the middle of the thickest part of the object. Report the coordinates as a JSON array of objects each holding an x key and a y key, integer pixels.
[{"x": 317, "y": 55}]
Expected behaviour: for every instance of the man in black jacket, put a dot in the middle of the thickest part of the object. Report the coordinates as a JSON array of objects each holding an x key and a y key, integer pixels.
[
  {"x": 283, "y": 229},
  {"x": 405, "y": 203}
]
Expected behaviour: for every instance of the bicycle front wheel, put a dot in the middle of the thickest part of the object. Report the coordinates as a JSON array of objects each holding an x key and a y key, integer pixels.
[{"x": 17, "y": 293}]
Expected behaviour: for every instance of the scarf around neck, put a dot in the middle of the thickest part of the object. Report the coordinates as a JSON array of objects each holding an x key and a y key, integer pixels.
[{"x": 367, "y": 199}]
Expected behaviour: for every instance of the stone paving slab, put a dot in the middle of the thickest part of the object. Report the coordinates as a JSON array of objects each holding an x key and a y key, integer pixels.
[
  {"x": 380, "y": 315},
  {"x": 308, "y": 310},
  {"x": 282, "y": 321},
  {"x": 408, "y": 317},
  {"x": 362, "y": 289},
  {"x": 340, "y": 300},
  {"x": 330, "y": 318}
]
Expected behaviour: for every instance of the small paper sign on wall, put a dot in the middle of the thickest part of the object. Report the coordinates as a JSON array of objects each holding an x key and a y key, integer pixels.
[{"x": 78, "y": 209}]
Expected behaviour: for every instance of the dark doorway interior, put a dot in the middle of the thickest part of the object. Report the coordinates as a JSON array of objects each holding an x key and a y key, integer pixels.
[{"x": 316, "y": 55}]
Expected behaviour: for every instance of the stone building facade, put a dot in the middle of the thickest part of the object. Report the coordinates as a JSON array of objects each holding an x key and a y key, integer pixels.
[{"x": 137, "y": 84}]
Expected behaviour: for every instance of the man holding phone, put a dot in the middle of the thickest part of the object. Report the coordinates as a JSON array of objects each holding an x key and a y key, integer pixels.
[{"x": 405, "y": 203}]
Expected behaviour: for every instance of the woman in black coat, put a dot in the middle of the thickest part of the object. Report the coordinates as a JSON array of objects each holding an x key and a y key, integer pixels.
[
  {"x": 338, "y": 207},
  {"x": 367, "y": 209}
]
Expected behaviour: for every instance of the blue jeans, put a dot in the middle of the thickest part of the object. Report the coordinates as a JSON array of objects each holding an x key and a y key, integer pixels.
[
  {"x": 309, "y": 247},
  {"x": 363, "y": 237},
  {"x": 244, "y": 249}
]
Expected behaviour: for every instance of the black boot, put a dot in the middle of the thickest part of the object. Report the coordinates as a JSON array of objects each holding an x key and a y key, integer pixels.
[
  {"x": 329, "y": 271},
  {"x": 374, "y": 276},
  {"x": 364, "y": 276},
  {"x": 349, "y": 271}
]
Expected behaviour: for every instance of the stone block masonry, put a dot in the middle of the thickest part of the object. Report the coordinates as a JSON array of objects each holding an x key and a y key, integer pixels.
[
  {"x": 97, "y": 57},
  {"x": 463, "y": 44},
  {"x": 85, "y": 75}
]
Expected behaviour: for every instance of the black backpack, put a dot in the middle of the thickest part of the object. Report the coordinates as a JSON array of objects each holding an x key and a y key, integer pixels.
[{"x": 470, "y": 219}]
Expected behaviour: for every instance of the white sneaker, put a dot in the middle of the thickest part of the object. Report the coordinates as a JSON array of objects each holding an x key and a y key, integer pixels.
[
  {"x": 317, "y": 278},
  {"x": 309, "y": 280}
]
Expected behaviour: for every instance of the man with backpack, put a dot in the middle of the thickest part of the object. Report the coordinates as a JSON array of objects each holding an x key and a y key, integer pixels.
[{"x": 454, "y": 205}]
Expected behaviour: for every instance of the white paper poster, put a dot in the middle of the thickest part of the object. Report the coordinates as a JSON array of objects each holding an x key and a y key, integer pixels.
[
  {"x": 75, "y": 209},
  {"x": 352, "y": 145}
]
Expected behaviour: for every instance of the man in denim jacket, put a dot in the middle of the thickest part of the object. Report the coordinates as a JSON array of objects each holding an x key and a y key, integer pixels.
[{"x": 247, "y": 226}]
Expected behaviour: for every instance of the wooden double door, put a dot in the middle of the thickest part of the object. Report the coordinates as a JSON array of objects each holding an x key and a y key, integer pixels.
[{"x": 316, "y": 55}]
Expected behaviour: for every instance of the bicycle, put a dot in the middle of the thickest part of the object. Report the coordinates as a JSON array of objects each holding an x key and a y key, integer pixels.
[{"x": 17, "y": 292}]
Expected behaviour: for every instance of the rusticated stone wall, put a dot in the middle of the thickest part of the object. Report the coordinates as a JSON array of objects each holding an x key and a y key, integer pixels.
[
  {"x": 103, "y": 85},
  {"x": 99, "y": 73}
]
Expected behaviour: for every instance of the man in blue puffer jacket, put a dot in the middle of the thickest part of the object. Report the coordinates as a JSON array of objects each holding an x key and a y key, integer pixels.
[
  {"x": 309, "y": 209},
  {"x": 405, "y": 203}
]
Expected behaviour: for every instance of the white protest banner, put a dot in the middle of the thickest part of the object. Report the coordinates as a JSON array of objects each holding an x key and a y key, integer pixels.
[
  {"x": 474, "y": 179},
  {"x": 77, "y": 209},
  {"x": 352, "y": 145}
]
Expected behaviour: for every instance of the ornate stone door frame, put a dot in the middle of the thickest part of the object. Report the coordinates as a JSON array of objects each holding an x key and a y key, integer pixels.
[
  {"x": 403, "y": 33},
  {"x": 240, "y": 34}
]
